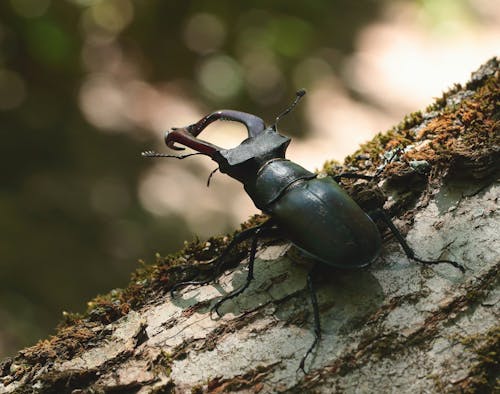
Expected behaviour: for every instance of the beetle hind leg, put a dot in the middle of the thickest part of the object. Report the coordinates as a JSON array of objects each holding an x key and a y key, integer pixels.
[
  {"x": 317, "y": 321},
  {"x": 382, "y": 215}
]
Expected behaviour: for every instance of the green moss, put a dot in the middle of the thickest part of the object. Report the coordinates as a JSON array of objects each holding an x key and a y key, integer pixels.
[
  {"x": 473, "y": 119},
  {"x": 70, "y": 319},
  {"x": 168, "y": 388},
  {"x": 484, "y": 374},
  {"x": 381, "y": 345},
  {"x": 198, "y": 389},
  {"x": 410, "y": 121},
  {"x": 440, "y": 103},
  {"x": 163, "y": 363}
]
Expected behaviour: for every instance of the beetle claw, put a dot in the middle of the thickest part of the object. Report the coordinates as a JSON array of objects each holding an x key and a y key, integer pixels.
[
  {"x": 301, "y": 366},
  {"x": 215, "y": 309}
]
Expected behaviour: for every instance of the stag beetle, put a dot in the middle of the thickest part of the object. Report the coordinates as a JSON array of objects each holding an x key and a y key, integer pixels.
[{"x": 314, "y": 213}]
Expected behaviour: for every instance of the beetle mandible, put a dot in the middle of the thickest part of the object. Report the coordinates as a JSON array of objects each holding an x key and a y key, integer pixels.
[{"x": 315, "y": 214}]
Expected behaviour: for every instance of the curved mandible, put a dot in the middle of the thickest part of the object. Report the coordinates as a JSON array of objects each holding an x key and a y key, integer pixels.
[
  {"x": 254, "y": 124},
  {"x": 184, "y": 137}
]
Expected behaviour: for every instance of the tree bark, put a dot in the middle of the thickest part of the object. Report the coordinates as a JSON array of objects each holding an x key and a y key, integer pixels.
[{"x": 397, "y": 326}]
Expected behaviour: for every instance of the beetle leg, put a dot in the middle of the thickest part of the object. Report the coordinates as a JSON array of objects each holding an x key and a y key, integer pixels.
[
  {"x": 351, "y": 175},
  {"x": 211, "y": 175},
  {"x": 262, "y": 231},
  {"x": 354, "y": 175},
  {"x": 381, "y": 214},
  {"x": 317, "y": 322},
  {"x": 233, "y": 294},
  {"x": 238, "y": 238}
]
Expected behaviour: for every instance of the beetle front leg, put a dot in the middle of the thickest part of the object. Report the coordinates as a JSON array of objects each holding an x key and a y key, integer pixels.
[
  {"x": 382, "y": 215},
  {"x": 253, "y": 251},
  {"x": 351, "y": 175},
  {"x": 238, "y": 238}
]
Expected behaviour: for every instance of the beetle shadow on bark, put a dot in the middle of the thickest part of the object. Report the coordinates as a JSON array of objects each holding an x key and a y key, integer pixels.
[
  {"x": 346, "y": 298},
  {"x": 457, "y": 188}
]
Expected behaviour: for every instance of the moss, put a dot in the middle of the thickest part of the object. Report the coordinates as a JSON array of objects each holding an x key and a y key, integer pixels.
[
  {"x": 380, "y": 346},
  {"x": 168, "y": 388},
  {"x": 410, "y": 121},
  {"x": 251, "y": 380},
  {"x": 198, "y": 389},
  {"x": 67, "y": 381},
  {"x": 457, "y": 136},
  {"x": 457, "y": 130},
  {"x": 163, "y": 363},
  {"x": 441, "y": 102},
  {"x": 68, "y": 342},
  {"x": 483, "y": 377}
]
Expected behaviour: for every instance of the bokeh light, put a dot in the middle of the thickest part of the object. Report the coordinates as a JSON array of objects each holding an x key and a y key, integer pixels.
[
  {"x": 204, "y": 33},
  {"x": 30, "y": 8},
  {"x": 220, "y": 76},
  {"x": 12, "y": 90}
]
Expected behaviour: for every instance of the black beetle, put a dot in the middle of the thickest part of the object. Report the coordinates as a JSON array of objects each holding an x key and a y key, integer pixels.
[{"x": 315, "y": 214}]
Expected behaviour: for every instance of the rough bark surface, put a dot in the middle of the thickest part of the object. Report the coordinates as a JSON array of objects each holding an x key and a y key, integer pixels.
[{"x": 396, "y": 326}]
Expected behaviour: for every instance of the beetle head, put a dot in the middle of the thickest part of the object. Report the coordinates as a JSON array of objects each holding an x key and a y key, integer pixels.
[{"x": 243, "y": 161}]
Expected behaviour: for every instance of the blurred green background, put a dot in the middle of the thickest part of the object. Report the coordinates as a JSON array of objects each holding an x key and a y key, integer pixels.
[{"x": 86, "y": 85}]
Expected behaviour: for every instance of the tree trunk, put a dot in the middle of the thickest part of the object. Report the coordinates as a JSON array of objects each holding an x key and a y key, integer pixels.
[{"x": 397, "y": 326}]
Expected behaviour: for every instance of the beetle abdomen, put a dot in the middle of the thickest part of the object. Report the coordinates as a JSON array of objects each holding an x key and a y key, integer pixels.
[
  {"x": 319, "y": 217},
  {"x": 273, "y": 178}
]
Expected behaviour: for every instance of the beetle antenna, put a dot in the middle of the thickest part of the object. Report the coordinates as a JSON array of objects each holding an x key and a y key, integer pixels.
[
  {"x": 298, "y": 95},
  {"x": 210, "y": 176},
  {"x": 394, "y": 156},
  {"x": 152, "y": 153}
]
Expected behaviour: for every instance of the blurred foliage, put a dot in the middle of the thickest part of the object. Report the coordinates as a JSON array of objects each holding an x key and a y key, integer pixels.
[{"x": 57, "y": 249}]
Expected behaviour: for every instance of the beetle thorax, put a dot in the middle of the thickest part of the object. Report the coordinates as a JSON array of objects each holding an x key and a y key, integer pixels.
[{"x": 244, "y": 161}]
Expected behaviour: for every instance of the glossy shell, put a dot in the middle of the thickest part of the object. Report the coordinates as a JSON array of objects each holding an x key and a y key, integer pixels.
[{"x": 320, "y": 218}]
